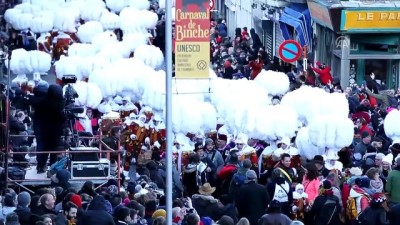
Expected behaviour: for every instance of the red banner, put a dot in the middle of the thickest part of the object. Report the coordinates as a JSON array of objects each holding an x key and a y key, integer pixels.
[{"x": 192, "y": 38}]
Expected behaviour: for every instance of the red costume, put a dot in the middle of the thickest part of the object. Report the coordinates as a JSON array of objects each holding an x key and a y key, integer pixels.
[{"x": 324, "y": 74}]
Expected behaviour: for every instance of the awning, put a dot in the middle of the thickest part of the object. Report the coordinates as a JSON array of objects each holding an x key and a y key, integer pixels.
[{"x": 298, "y": 17}]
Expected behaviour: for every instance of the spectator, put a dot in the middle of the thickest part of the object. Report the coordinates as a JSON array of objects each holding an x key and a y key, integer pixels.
[
  {"x": 253, "y": 193},
  {"x": 274, "y": 215},
  {"x": 9, "y": 205},
  {"x": 393, "y": 183},
  {"x": 23, "y": 211}
]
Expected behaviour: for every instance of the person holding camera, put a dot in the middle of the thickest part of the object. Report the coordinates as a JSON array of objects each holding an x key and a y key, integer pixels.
[{"x": 49, "y": 122}]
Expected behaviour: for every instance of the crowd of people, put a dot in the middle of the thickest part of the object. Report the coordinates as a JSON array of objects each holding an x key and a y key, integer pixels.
[{"x": 219, "y": 183}]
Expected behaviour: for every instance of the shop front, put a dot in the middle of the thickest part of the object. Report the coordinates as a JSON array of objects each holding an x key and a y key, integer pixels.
[{"x": 358, "y": 41}]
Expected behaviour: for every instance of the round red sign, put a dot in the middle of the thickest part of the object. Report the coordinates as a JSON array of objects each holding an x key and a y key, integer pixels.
[{"x": 212, "y": 4}]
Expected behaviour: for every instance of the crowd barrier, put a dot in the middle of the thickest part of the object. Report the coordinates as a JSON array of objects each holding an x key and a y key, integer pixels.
[{"x": 34, "y": 179}]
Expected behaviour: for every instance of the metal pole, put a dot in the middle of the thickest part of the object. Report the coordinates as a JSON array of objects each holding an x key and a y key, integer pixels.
[
  {"x": 168, "y": 90},
  {"x": 8, "y": 105}
]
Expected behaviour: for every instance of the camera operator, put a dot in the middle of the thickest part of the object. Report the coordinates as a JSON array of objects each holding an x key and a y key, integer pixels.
[{"x": 48, "y": 121}]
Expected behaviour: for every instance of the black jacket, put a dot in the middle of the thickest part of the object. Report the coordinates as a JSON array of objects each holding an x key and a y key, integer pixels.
[
  {"x": 41, "y": 210},
  {"x": 24, "y": 213},
  {"x": 373, "y": 216},
  {"x": 395, "y": 214},
  {"x": 97, "y": 217},
  {"x": 252, "y": 201},
  {"x": 208, "y": 206},
  {"x": 322, "y": 213}
]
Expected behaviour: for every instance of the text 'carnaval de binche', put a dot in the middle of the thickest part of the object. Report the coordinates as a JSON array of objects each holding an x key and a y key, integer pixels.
[{"x": 187, "y": 25}]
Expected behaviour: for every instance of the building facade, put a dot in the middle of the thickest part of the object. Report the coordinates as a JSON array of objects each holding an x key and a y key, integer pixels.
[{"x": 363, "y": 38}]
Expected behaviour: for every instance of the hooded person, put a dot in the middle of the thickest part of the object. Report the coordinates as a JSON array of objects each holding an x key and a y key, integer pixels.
[
  {"x": 48, "y": 126},
  {"x": 61, "y": 179},
  {"x": 97, "y": 213}
]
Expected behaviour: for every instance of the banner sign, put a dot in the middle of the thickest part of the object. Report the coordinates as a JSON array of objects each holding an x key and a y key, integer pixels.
[
  {"x": 376, "y": 20},
  {"x": 192, "y": 38}
]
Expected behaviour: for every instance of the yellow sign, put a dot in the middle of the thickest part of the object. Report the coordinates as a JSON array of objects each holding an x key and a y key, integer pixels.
[
  {"x": 192, "y": 59},
  {"x": 370, "y": 20}
]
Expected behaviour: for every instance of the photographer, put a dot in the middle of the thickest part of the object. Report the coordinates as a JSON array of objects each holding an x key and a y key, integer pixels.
[{"x": 49, "y": 120}]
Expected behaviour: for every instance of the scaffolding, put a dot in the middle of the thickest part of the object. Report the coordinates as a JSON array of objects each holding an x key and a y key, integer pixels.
[
  {"x": 30, "y": 178},
  {"x": 33, "y": 179}
]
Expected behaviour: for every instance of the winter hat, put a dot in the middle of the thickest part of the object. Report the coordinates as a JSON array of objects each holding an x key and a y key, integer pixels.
[
  {"x": 380, "y": 156},
  {"x": 63, "y": 175},
  {"x": 297, "y": 222},
  {"x": 24, "y": 199},
  {"x": 326, "y": 185},
  {"x": 365, "y": 134},
  {"x": 159, "y": 213},
  {"x": 355, "y": 171},
  {"x": 225, "y": 220},
  {"x": 77, "y": 200},
  {"x": 388, "y": 159},
  {"x": 251, "y": 176},
  {"x": 363, "y": 182},
  {"x": 206, "y": 221},
  {"x": 378, "y": 198},
  {"x": 208, "y": 141},
  {"x": 299, "y": 188},
  {"x": 247, "y": 164}
]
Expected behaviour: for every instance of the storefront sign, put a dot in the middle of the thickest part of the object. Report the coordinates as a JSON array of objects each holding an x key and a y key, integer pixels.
[
  {"x": 382, "y": 20},
  {"x": 320, "y": 14},
  {"x": 192, "y": 35}
]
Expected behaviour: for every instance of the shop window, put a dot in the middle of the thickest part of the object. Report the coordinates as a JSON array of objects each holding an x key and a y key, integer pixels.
[
  {"x": 376, "y": 47},
  {"x": 378, "y": 67}
]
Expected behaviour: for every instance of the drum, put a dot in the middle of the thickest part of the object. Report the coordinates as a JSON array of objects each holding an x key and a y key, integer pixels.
[
  {"x": 107, "y": 124},
  {"x": 133, "y": 149},
  {"x": 144, "y": 157},
  {"x": 44, "y": 45},
  {"x": 61, "y": 46},
  {"x": 252, "y": 155},
  {"x": 267, "y": 162},
  {"x": 295, "y": 161},
  {"x": 149, "y": 115},
  {"x": 299, "y": 213},
  {"x": 124, "y": 113},
  {"x": 139, "y": 130}
]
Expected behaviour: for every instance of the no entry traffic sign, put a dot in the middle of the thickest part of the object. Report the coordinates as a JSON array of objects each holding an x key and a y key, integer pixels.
[{"x": 289, "y": 51}]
